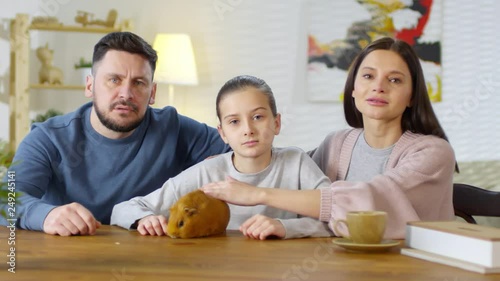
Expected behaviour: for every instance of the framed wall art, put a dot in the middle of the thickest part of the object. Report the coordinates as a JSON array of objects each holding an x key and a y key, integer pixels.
[{"x": 339, "y": 30}]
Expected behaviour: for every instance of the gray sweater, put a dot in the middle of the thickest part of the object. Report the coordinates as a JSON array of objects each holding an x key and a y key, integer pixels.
[{"x": 290, "y": 168}]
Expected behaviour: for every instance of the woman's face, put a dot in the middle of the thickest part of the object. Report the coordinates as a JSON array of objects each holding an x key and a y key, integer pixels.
[{"x": 382, "y": 87}]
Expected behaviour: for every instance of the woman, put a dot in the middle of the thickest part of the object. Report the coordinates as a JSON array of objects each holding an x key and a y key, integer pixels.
[{"x": 395, "y": 159}]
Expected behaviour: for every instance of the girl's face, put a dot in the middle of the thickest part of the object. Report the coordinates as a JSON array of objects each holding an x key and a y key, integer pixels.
[
  {"x": 383, "y": 87},
  {"x": 247, "y": 123}
]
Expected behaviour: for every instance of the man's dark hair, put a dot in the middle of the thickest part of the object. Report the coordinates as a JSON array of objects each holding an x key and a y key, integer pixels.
[{"x": 124, "y": 41}]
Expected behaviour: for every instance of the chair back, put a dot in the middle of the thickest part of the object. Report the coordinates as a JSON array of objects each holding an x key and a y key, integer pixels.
[{"x": 471, "y": 201}]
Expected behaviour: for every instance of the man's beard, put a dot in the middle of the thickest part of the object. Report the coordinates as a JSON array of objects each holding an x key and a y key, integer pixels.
[{"x": 112, "y": 125}]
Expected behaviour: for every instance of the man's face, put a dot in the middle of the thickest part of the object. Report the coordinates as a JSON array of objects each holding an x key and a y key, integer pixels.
[{"x": 121, "y": 89}]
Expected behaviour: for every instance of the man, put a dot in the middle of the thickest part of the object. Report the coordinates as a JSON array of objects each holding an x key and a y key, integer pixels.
[{"x": 73, "y": 169}]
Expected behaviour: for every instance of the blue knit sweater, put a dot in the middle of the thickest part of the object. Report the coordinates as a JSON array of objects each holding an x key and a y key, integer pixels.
[{"x": 65, "y": 160}]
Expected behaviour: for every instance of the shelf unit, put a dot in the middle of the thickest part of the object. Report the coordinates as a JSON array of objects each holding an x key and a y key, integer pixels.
[
  {"x": 57, "y": 87},
  {"x": 19, "y": 94}
]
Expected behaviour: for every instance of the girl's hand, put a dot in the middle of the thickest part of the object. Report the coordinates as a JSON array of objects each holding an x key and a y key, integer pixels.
[
  {"x": 152, "y": 225},
  {"x": 235, "y": 192},
  {"x": 260, "y": 227}
]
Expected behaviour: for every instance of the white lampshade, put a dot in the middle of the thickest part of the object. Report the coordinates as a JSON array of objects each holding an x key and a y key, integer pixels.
[{"x": 176, "y": 63}]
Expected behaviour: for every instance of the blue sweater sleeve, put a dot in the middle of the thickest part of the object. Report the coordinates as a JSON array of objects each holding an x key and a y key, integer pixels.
[{"x": 33, "y": 172}]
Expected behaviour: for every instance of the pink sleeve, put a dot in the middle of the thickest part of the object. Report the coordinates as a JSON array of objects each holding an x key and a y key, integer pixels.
[
  {"x": 418, "y": 187},
  {"x": 326, "y": 204}
]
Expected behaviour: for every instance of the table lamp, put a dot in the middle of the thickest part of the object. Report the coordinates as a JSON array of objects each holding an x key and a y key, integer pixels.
[{"x": 176, "y": 64}]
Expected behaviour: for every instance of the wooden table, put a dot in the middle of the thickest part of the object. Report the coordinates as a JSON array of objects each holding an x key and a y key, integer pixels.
[{"x": 115, "y": 254}]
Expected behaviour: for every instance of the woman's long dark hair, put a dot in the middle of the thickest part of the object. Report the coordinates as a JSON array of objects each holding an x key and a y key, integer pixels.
[{"x": 420, "y": 117}]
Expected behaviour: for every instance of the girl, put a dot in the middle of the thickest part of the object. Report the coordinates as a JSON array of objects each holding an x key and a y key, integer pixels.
[{"x": 248, "y": 123}]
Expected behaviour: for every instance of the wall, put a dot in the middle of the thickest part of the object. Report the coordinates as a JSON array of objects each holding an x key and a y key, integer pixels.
[
  {"x": 268, "y": 39},
  {"x": 471, "y": 78}
]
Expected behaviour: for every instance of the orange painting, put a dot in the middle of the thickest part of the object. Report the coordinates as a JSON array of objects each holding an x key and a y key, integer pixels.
[{"x": 339, "y": 30}]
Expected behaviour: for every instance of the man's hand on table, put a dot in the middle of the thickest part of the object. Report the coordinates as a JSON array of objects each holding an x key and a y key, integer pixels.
[{"x": 70, "y": 219}]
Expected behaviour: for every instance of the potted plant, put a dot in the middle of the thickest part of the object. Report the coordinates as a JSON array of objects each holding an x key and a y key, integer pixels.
[
  {"x": 42, "y": 117},
  {"x": 8, "y": 194},
  {"x": 85, "y": 68}
]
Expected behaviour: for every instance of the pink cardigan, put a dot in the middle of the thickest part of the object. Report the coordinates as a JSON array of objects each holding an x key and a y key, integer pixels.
[{"x": 417, "y": 183}]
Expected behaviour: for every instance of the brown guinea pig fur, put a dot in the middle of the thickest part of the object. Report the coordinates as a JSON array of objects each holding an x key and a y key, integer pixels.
[{"x": 197, "y": 215}]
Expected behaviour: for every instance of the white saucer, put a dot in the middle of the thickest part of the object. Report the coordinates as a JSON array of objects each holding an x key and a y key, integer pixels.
[{"x": 349, "y": 245}]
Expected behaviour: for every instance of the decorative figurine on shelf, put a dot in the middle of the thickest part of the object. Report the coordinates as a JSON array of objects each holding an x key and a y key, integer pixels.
[
  {"x": 48, "y": 21},
  {"x": 48, "y": 73},
  {"x": 83, "y": 17},
  {"x": 110, "y": 20},
  {"x": 125, "y": 25},
  {"x": 86, "y": 18}
]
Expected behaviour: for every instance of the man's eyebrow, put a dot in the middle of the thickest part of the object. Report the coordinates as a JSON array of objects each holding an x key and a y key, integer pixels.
[{"x": 140, "y": 77}]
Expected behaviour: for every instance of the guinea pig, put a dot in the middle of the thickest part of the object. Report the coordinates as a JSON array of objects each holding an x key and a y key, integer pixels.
[{"x": 197, "y": 215}]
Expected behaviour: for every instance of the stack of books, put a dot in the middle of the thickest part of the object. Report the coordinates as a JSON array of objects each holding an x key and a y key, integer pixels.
[{"x": 467, "y": 246}]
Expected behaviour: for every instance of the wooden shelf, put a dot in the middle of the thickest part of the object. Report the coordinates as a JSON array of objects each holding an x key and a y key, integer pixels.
[
  {"x": 57, "y": 87},
  {"x": 72, "y": 28},
  {"x": 20, "y": 55}
]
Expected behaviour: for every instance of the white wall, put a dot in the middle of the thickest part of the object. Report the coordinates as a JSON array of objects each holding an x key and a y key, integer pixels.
[
  {"x": 471, "y": 78},
  {"x": 268, "y": 39}
]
